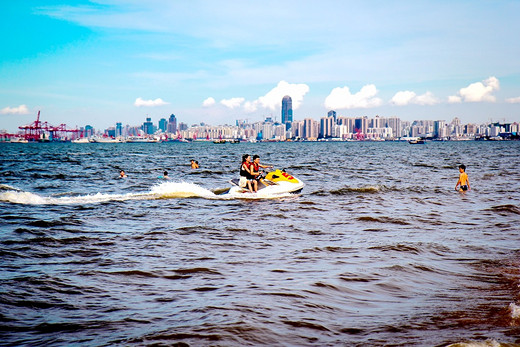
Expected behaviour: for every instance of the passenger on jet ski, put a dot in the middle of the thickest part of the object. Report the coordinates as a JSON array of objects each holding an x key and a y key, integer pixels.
[{"x": 246, "y": 176}]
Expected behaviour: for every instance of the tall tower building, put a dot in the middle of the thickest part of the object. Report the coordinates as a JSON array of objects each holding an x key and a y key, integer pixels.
[
  {"x": 163, "y": 124},
  {"x": 119, "y": 130},
  {"x": 332, "y": 113},
  {"x": 148, "y": 127},
  {"x": 287, "y": 114},
  {"x": 172, "y": 124}
]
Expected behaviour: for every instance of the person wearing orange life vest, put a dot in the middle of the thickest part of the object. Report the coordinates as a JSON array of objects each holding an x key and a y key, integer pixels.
[
  {"x": 246, "y": 177},
  {"x": 255, "y": 169}
]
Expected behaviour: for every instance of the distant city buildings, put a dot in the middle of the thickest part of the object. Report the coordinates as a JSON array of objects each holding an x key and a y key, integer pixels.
[{"x": 332, "y": 127}]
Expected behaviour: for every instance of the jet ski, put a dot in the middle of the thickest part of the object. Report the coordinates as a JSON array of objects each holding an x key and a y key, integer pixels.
[{"x": 271, "y": 183}]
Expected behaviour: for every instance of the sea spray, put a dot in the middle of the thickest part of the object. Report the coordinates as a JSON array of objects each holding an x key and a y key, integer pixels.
[{"x": 168, "y": 190}]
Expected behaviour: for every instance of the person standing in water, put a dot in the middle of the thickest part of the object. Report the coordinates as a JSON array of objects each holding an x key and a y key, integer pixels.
[
  {"x": 194, "y": 164},
  {"x": 463, "y": 179}
]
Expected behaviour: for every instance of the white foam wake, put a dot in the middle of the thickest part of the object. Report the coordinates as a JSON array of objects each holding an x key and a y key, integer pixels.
[
  {"x": 26, "y": 198},
  {"x": 165, "y": 190},
  {"x": 181, "y": 190}
]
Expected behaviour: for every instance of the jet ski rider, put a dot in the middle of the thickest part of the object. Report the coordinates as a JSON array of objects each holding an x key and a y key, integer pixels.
[
  {"x": 246, "y": 176},
  {"x": 255, "y": 167}
]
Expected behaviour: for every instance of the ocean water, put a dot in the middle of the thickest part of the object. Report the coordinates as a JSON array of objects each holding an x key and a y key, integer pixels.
[{"x": 377, "y": 250}]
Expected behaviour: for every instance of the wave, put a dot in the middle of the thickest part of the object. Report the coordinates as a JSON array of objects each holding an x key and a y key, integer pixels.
[
  {"x": 350, "y": 190},
  {"x": 165, "y": 190},
  {"x": 505, "y": 209},
  {"x": 487, "y": 343},
  {"x": 370, "y": 189},
  {"x": 382, "y": 220},
  {"x": 5, "y": 187}
]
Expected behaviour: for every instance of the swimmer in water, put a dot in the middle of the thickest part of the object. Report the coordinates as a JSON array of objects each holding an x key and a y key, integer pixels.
[{"x": 122, "y": 174}]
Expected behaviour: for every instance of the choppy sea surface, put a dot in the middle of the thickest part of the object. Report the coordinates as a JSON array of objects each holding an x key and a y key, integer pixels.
[{"x": 377, "y": 250}]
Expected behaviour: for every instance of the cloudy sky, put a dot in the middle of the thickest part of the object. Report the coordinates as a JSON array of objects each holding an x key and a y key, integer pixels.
[{"x": 108, "y": 61}]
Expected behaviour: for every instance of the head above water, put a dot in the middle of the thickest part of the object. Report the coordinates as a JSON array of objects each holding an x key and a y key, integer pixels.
[
  {"x": 462, "y": 167},
  {"x": 165, "y": 173}
]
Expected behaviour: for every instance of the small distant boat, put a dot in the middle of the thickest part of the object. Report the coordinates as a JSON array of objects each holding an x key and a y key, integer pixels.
[
  {"x": 219, "y": 141},
  {"x": 141, "y": 139},
  {"x": 19, "y": 140},
  {"x": 81, "y": 140},
  {"x": 106, "y": 140},
  {"x": 417, "y": 142}
]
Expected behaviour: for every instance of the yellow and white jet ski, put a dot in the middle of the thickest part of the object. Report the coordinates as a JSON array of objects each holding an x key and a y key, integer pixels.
[{"x": 273, "y": 183}]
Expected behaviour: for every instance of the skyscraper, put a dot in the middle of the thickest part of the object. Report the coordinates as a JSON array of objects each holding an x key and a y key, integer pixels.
[
  {"x": 148, "y": 127},
  {"x": 287, "y": 111},
  {"x": 119, "y": 129},
  {"x": 172, "y": 124},
  {"x": 163, "y": 124},
  {"x": 332, "y": 113}
]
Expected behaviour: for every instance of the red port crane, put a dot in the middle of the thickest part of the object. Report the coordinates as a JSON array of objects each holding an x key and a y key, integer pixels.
[{"x": 43, "y": 131}]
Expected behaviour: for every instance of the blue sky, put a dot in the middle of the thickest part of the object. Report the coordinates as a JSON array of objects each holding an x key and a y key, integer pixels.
[{"x": 102, "y": 62}]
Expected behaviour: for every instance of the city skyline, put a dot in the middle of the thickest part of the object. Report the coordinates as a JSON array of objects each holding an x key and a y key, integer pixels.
[
  {"x": 120, "y": 60},
  {"x": 330, "y": 127}
]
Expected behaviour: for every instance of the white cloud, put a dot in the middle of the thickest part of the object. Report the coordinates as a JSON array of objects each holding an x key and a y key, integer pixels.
[
  {"x": 233, "y": 102},
  {"x": 426, "y": 99},
  {"x": 341, "y": 98},
  {"x": 407, "y": 97},
  {"x": 150, "y": 103},
  {"x": 208, "y": 102},
  {"x": 273, "y": 99},
  {"x": 251, "y": 106},
  {"x": 22, "y": 109},
  {"x": 403, "y": 98},
  {"x": 513, "y": 100},
  {"x": 479, "y": 91},
  {"x": 454, "y": 99}
]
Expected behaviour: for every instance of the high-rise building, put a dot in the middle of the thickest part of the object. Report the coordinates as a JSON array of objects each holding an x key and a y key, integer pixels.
[
  {"x": 438, "y": 128},
  {"x": 163, "y": 124},
  {"x": 378, "y": 122},
  {"x": 361, "y": 125},
  {"x": 395, "y": 124},
  {"x": 172, "y": 124},
  {"x": 287, "y": 113},
  {"x": 119, "y": 129},
  {"x": 310, "y": 128},
  {"x": 148, "y": 127},
  {"x": 326, "y": 127},
  {"x": 183, "y": 126},
  {"x": 332, "y": 113},
  {"x": 89, "y": 130}
]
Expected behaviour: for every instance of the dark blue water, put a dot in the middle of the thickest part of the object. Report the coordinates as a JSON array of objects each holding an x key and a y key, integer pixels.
[{"x": 378, "y": 249}]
